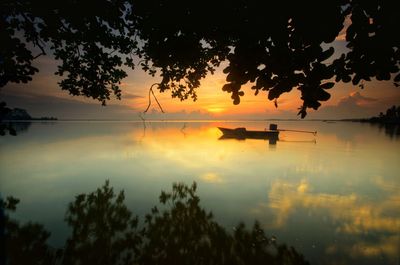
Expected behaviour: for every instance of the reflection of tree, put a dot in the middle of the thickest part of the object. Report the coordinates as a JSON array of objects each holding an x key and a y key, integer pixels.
[
  {"x": 12, "y": 128},
  {"x": 23, "y": 244},
  {"x": 391, "y": 130},
  {"x": 104, "y": 231},
  {"x": 389, "y": 122},
  {"x": 391, "y": 116},
  {"x": 184, "y": 233}
]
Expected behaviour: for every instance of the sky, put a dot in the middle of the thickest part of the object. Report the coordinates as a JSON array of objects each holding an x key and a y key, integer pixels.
[{"x": 43, "y": 97}]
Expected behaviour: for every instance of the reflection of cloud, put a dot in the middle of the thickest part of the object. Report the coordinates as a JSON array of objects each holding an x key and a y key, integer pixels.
[
  {"x": 382, "y": 246},
  {"x": 387, "y": 246},
  {"x": 309, "y": 168},
  {"x": 211, "y": 177},
  {"x": 358, "y": 217},
  {"x": 303, "y": 187},
  {"x": 284, "y": 198},
  {"x": 385, "y": 184},
  {"x": 351, "y": 214}
]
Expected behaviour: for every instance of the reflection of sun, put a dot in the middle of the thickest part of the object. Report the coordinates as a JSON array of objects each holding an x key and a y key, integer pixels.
[{"x": 211, "y": 178}]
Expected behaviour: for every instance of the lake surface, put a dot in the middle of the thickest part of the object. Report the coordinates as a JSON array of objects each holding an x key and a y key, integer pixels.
[{"x": 334, "y": 196}]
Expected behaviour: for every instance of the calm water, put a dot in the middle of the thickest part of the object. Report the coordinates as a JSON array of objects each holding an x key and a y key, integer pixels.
[{"x": 334, "y": 197}]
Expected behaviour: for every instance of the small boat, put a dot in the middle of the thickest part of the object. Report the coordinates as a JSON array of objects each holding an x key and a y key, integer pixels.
[
  {"x": 242, "y": 133},
  {"x": 272, "y": 134}
]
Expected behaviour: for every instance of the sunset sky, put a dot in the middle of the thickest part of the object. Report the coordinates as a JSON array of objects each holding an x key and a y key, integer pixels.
[{"x": 43, "y": 97}]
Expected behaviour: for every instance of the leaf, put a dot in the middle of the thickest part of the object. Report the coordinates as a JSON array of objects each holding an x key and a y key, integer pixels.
[
  {"x": 346, "y": 78},
  {"x": 326, "y": 54},
  {"x": 356, "y": 79},
  {"x": 327, "y": 85},
  {"x": 350, "y": 33},
  {"x": 226, "y": 70},
  {"x": 323, "y": 95},
  {"x": 227, "y": 87},
  {"x": 397, "y": 78}
]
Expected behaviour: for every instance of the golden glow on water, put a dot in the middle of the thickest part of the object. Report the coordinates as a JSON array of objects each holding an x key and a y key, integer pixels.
[
  {"x": 341, "y": 186},
  {"x": 211, "y": 178}
]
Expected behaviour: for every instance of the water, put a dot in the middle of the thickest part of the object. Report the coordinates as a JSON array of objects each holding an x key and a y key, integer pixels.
[{"x": 334, "y": 196}]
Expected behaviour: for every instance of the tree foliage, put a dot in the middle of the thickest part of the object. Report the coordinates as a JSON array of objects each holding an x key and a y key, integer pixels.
[{"x": 277, "y": 46}]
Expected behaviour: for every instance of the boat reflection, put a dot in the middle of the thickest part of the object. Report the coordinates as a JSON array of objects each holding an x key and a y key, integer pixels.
[{"x": 271, "y": 140}]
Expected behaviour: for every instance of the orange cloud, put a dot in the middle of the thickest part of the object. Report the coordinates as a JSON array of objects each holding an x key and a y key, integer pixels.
[{"x": 342, "y": 34}]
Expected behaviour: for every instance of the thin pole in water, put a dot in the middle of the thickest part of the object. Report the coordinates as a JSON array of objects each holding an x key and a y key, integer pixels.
[{"x": 284, "y": 130}]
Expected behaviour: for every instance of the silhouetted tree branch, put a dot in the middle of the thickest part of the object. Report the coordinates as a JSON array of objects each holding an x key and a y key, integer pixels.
[
  {"x": 277, "y": 46},
  {"x": 151, "y": 92}
]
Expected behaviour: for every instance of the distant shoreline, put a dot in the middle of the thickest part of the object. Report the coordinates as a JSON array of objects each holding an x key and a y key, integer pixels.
[
  {"x": 376, "y": 120},
  {"x": 18, "y": 114},
  {"x": 190, "y": 120},
  {"x": 28, "y": 118}
]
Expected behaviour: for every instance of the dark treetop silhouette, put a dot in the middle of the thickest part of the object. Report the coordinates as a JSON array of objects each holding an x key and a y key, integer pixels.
[
  {"x": 105, "y": 232},
  {"x": 275, "y": 44}
]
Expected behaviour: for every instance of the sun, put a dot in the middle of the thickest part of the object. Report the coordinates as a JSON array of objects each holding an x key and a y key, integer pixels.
[{"x": 215, "y": 109}]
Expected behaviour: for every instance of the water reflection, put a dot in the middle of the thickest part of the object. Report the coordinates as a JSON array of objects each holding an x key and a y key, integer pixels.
[
  {"x": 391, "y": 130},
  {"x": 271, "y": 140},
  {"x": 370, "y": 228},
  {"x": 104, "y": 231},
  {"x": 13, "y": 128},
  {"x": 334, "y": 200}
]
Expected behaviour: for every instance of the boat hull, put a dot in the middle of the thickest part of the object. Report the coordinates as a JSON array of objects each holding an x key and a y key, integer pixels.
[{"x": 242, "y": 133}]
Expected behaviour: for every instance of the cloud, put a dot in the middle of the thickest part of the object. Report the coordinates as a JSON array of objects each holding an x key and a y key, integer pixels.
[
  {"x": 82, "y": 108},
  {"x": 342, "y": 34},
  {"x": 127, "y": 95},
  {"x": 67, "y": 108},
  {"x": 355, "y": 99},
  {"x": 156, "y": 114},
  {"x": 355, "y": 105}
]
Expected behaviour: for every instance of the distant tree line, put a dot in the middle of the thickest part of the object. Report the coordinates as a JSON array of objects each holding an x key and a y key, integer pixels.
[
  {"x": 392, "y": 115},
  {"x": 16, "y": 119},
  {"x": 13, "y": 114}
]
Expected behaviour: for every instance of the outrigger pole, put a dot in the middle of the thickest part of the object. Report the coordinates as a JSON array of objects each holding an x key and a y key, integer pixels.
[
  {"x": 283, "y": 130},
  {"x": 274, "y": 127}
]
